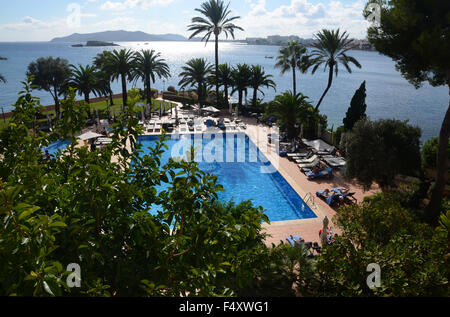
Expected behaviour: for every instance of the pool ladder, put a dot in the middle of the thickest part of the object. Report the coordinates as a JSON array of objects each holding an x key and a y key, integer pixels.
[{"x": 310, "y": 198}]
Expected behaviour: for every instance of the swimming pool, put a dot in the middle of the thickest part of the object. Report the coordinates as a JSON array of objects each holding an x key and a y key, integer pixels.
[
  {"x": 55, "y": 146},
  {"x": 239, "y": 166}
]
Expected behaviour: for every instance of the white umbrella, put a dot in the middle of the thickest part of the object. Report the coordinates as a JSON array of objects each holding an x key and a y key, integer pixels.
[
  {"x": 211, "y": 109},
  {"x": 89, "y": 135}
]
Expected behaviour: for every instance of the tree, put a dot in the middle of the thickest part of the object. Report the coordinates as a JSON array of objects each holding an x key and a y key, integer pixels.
[
  {"x": 88, "y": 209},
  {"x": 429, "y": 151},
  {"x": 122, "y": 67},
  {"x": 258, "y": 79},
  {"x": 357, "y": 109},
  {"x": 381, "y": 231},
  {"x": 241, "y": 81},
  {"x": 215, "y": 20},
  {"x": 226, "y": 80},
  {"x": 2, "y": 79},
  {"x": 291, "y": 57},
  {"x": 196, "y": 73},
  {"x": 101, "y": 62},
  {"x": 415, "y": 34},
  {"x": 331, "y": 50},
  {"x": 52, "y": 75},
  {"x": 291, "y": 110},
  {"x": 378, "y": 151},
  {"x": 85, "y": 80},
  {"x": 149, "y": 64}
]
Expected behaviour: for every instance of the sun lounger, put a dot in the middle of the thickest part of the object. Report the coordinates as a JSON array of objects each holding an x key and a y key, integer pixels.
[
  {"x": 150, "y": 128},
  {"x": 293, "y": 240},
  {"x": 331, "y": 199},
  {"x": 328, "y": 173},
  {"x": 347, "y": 197},
  {"x": 309, "y": 165},
  {"x": 335, "y": 162},
  {"x": 307, "y": 160},
  {"x": 157, "y": 128},
  {"x": 242, "y": 126}
]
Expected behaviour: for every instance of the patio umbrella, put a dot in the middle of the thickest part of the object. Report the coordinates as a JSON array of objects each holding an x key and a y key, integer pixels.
[
  {"x": 89, "y": 135},
  {"x": 324, "y": 231},
  {"x": 211, "y": 109}
]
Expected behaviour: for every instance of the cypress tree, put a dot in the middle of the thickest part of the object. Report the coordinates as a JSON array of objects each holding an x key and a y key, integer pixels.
[{"x": 357, "y": 109}]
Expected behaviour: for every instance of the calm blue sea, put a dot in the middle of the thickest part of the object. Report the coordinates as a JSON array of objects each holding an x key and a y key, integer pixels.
[{"x": 389, "y": 95}]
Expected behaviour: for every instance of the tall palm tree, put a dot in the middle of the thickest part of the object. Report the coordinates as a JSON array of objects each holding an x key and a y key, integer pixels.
[
  {"x": 105, "y": 73},
  {"x": 258, "y": 78},
  {"x": 122, "y": 66},
  {"x": 215, "y": 20},
  {"x": 2, "y": 79},
  {"x": 330, "y": 50},
  {"x": 241, "y": 75},
  {"x": 196, "y": 74},
  {"x": 225, "y": 79},
  {"x": 291, "y": 57},
  {"x": 85, "y": 80},
  {"x": 291, "y": 110},
  {"x": 148, "y": 66}
]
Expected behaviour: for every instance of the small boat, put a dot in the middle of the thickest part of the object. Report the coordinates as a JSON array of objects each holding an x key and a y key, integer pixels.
[{"x": 269, "y": 57}]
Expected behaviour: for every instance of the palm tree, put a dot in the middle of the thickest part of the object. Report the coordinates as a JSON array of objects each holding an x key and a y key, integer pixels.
[
  {"x": 148, "y": 66},
  {"x": 122, "y": 66},
  {"x": 105, "y": 74},
  {"x": 291, "y": 110},
  {"x": 85, "y": 80},
  {"x": 331, "y": 50},
  {"x": 291, "y": 57},
  {"x": 241, "y": 75},
  {"x": 2, "y": 79},
  {"x": 259, "y": 78},
  {"x": 225, "y": 79},
  {"x": 215, "y": 20},
  {"x": 196, "y": 74}
]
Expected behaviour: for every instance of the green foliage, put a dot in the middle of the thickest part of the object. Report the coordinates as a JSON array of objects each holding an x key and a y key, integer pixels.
[
  {"x": 357, "y": 109},
  {"x": 414, "y": 33},
  {"x": 293, "y": 111},
  {"x": 92, "y": 208},
  {"x": 429, "y": 152},
  {"x": 412, "y": 255},
  {"x": 377, "y": 151}
]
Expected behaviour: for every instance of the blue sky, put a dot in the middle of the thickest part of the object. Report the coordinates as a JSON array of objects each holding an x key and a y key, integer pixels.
[{"x": 31, "y": 20}]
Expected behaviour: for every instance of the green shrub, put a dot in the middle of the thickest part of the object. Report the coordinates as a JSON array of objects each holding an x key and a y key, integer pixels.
[{"x": 429, "y": 152}]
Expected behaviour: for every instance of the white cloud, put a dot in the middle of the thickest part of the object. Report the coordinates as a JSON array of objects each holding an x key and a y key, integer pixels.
[
  {"x": 131, "y": 4},
  {"x": 304, "y": 18}
]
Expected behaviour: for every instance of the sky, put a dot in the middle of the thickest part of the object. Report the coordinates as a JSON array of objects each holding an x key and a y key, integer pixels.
[{"x": 31, "y": 20}]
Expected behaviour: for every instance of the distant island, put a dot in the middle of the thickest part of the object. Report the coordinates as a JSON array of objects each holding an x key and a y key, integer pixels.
[
  {"x": 119, "y": 36},
  {"x": 95, "y": 44}
]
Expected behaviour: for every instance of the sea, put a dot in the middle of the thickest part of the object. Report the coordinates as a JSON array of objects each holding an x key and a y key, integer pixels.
[{"x": 389, "y": 95}]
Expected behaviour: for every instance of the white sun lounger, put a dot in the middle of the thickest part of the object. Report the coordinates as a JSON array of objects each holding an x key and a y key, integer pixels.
[
  {"x": 307, "y": 161},
  {"x": 309, "y": 165}
]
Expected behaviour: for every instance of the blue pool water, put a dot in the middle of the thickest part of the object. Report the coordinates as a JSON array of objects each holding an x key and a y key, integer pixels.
[
  {"x": 54, "y": 147},
  {"x": 239, "y": 171}
]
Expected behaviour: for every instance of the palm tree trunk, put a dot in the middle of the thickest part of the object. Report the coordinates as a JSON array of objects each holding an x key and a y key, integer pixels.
[
  {"x": 217, "y": 69},
  {"x": 294, "y": 79},
  {"x": 86, "y": 98},
  {"x": 55, "y": 98},
  {"x": 434, "y": 206},
  {"x": 226, "y": 98},
  {"x": 111, "y": 100},
  {"x": 149, "y": 90},
  {"x": 255, "y": 95},
  {"x": 330, "y": 81},
  {"x": 124, "y": 90}
]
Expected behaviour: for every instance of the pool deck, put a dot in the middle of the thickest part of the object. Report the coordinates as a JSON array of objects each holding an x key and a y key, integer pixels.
[{"x": 308, "y": 229}]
